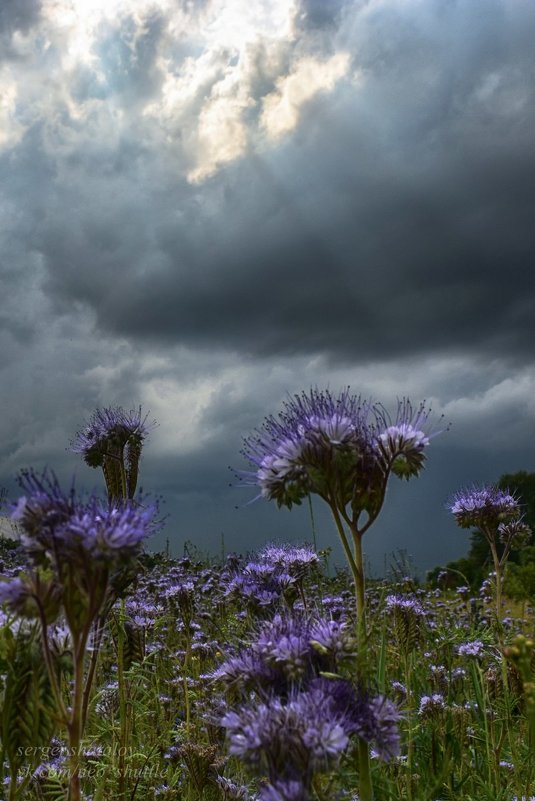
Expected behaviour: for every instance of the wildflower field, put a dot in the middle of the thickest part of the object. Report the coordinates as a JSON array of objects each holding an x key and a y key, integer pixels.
[{"x": 269, "y": 676}]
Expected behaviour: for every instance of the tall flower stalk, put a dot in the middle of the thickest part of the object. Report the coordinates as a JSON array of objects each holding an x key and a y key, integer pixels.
[
  {"x": 343, "y": 449},
  {"x": 81, "y": 554},
  {"x": 113, "y": 440},
  {"x": 496, "y": 513}
]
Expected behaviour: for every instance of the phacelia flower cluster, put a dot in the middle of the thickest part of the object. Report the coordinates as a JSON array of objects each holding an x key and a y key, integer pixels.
[
  {"x": 63, "y": 527},
  {"x": 293, "y": 738},
  {"x": 474, "y": 648},
  {"x": 113, "y": 439},
  {"x": 287, "y": 720},
  {"x": 483, "y": 507},
  {"x": 296, "y": 560},
  {"x": 287, "y": 649},
  {"x": 108, "y": 431},
  {"x": 87, "y": 545},
  {"x": 341, "y": 448}
]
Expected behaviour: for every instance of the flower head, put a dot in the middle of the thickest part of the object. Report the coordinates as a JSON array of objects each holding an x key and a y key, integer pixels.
[
  {"x": 473, "y": 648},
  {"x": 292, "y": 454},
  {"x": 484, "y": 507},
  {"x": 405, "y": 603},
  {"x": 341, "y": 448},
  {"x": 307, "y": 725},
  {"x": 403, "y": 443},
  {"x": 109, "y": 429},
  {"x": 294, "y": 559},
  {"x": 65, "y": 528},
  {"x": 15, "y": 594},
  {"x": 231, "y": 791},
  {"x": 431, "y": 706},
  {"x": 113, "y": 439}
]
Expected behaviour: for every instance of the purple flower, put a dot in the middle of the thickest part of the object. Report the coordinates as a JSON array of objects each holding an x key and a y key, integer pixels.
[
  {"x": 286, "y": 651},
  {"x": 331, "y": 637},
  {"x": 16, "y": 595},
  {"x": 399, "y": 689},
  {"x": 231, "y": 791},
  {"x": 372, "y": 718},
  {"x": 298, "y": 736},
  {"x": 340, "y": 448},
  {"x": 89, "y": 546},
  {"x": 284, "y": 644},
  {"x": 431, "y": 705},
  {"x": 295, "y": 560},
  {"x": 245, "y": 670},
  {"x": 474, "y": 648},
  {"x": 106, "y": 532},
  {"x": 109, "y": 430},
  {"x": 113, "y": 439},
  {"x": 483, "y": 507},
  {"x": 259, "y": 587},
  {"x": 463, "y": 591},
  {"x": 405, "y": 604},
  {"x": 514, "y": 532},
  {"x": 403, "y": 443},
  {"x": 385, "y": 731}
]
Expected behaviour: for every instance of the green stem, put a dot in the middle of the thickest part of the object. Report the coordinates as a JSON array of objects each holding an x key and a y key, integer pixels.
[
  {"x": 123, "y": 480},
  {"x": 345, "y": 544},
  {"x": 123, "y": 723},
  {"x": 355, "y": 561},
  {"x": 62, "y": 711},
  {"x": 312, "y": 523},
  {"x": 410, "y": 738},
  {"x": 498, "y": 572},
  {"x": 98, "y": 632},
  {"x": 360, "y": 590},
  {"x": 74, "y": 726},
  {"x": 365, "y": 776}
]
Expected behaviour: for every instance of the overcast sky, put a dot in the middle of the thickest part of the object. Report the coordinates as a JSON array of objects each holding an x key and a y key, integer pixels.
[{"x": 206, "y": 205}]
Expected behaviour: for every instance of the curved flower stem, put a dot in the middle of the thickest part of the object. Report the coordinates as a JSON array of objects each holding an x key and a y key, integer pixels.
[
  {"x": 498, "y": 572},
  {"x": 355, "y": 562},
  {"x": 360, "y": 588},
  {"x": 98, "y": 633},
  {"x": 75, "y": 724},
  {"x": 345, "y": 543},
  {"x": 365, "y": 780},
  {"x": 314, "y": 542},
  {"x": 62, "y": 711},
  {"x": 123, "y": 702}
]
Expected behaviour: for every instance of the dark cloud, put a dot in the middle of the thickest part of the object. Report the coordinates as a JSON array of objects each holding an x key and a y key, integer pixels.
[
  {"x": 388, "y": 267},
  {"x": 399, "y": 214},
  {"x": 16, "y": 16},
  {"x": 384, "y": 241}
]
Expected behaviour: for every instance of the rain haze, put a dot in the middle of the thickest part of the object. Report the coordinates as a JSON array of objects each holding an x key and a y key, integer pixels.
[{"x": 209, "y": 205}]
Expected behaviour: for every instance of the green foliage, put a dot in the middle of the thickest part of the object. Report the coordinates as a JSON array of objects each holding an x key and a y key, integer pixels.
[
  {"x": 453, "y": 753},
  {"x": 520, "y": 579},
  {"x": 475, "y": 566},
  {"x": 28, "y": 713}
]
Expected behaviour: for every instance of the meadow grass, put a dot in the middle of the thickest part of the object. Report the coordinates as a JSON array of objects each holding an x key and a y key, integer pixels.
[{"x": 154, "y": 716}]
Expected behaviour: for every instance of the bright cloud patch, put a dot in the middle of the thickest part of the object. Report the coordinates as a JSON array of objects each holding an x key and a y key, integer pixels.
[
  {"x": 309, "y": 77},
  {"x": 10, "y": 128},
  {"x": 204, "y": 82}
]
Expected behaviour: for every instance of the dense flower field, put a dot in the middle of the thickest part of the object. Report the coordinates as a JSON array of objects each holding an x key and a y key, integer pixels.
[
  {"x": 267, "y": 677},
  {"x": 232, "y": 681}
]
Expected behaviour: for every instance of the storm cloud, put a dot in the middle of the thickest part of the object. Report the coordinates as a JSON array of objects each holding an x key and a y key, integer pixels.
[{"x": 206, "y": 206}]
